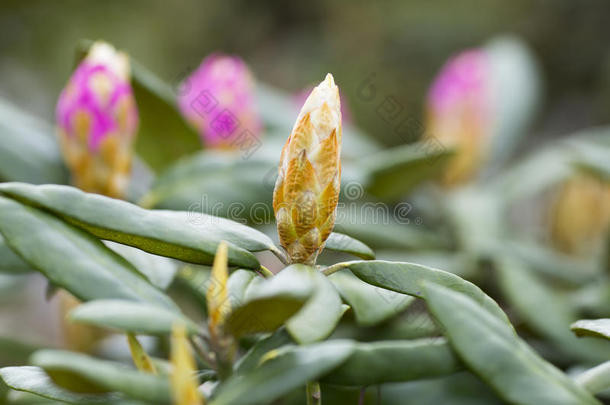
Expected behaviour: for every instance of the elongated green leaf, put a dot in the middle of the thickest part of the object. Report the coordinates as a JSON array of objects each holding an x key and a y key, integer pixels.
[
  {"x": 36, "y": 381},
  {"x": 592, "y": 327},
  {"x": 282, "y": 371},
  {"x": 382, "y": 231},
  {"x": 395, "y": 361},
  {"x": 218, "y": 183},
  {"x": 339, "y": 242},
  {"x": 550, "y": 263},
  {"x": 81, "y": 373},
  {"x": 251, "y": 359},
  {"x": 515, "y": 78},
  {"x": 594, "y": 158},
  {"x": 492, "y": 349},
  {"x": 159, "y": 116},
  {"x": 394, "y": 172},
  {"x": 129, "y": 316},
  {"x": 29, "y": 149},
  {"x": 408, "y": 278},
  {"x": 596, "y": 379},
  {"x": 456, "y": 389},
  {"x": 549, "y": 165},
  {"x": 72, "y": 258},
  {"x": 10, "y": 262},
  {"x": 188, "y": 237},
  {"x": 158, "y": 269},
  {"x": 270, "y": 303},
  {"x": 545, "y": 311},
  {"x": 371, "y": 305},
  {"x": 238, "y": 284},
  {"x": 318, "y": 318}
]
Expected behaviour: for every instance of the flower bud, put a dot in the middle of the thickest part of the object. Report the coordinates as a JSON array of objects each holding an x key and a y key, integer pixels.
[
  {"x": 218, "y": 100},
  {"x": 458, "y": 115},
  {"x": 307, "y": 188},
  {"x": 581, "y": 215},
  {"x": 97, "y": 122}
]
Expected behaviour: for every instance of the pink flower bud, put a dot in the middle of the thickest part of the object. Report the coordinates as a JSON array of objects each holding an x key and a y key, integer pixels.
[
  {"x": 97, "y": 121},
  {"x": 218, "y": 100},
  {"x": 458, "y": 113}
]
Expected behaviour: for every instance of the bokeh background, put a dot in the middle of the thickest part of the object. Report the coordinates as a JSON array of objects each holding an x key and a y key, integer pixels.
[{"x": 293, "y": 44}]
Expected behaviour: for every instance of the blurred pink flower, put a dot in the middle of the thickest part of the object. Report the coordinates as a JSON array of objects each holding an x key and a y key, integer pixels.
[
  {"x": 459, "y": 113},
  {"x": 218, "y": 100},
  {"x": 97, "y": 121}
]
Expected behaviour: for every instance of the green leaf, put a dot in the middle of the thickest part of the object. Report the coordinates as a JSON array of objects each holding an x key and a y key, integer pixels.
[
  {"x": 10, "y": 262},
  {"x": 592, "y": 327},
  {"x": 549, "y": 165},
  {"x": 492, "y": 349},
  {"x": 283, "y": 370},
  {"x": 164, "y": 136},
  {"x": 515, "y": 79},
  {"x": 395, "y": 172},
  {"x": 386, "y": 233},
  {"x": 549, "y": 262},
  {"x": 158, "y": 269},
  {"x": 36, "y": 381},
  {"x": 129, "y": 316},
  {"x": 371, "y": 305},
  {"x": 237, "y": 285},
  {"x": 268, "y": 304},
  {"x": 29, "y": 149},
  {"x": 318, "y": 318},
  {"x": 593, "y": 158},
  {"x": 181, "y": 235},
  {"x": 251, "y": 359},
  {"x": 81, "y": 373},
  {"x": 395, "y": 361},
  {"x": 596, "y": 379},
  {"x": 408, "y": 278},
  {"x": 339, "y": 242},
  {"x": 73, "y": 259},
  {"x": 219, "y": 183},
  {"x": 545, "y": 311}
]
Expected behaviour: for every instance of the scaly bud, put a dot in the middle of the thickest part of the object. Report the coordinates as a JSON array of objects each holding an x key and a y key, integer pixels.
[
  {"x": 218, "y": 100},
  {"x": 307, "y": 188},
  {"x": 581, "y": 215},
  {"x": 97, "y": 122},
  {"x": 183, "y": 376},
  {"x": 458, "y": 114}
]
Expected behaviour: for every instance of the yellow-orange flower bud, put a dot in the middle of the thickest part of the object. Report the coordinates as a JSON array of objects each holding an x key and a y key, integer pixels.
[
  {"x": 581, "y": 214},
  {"x": 307, "y": 188}
]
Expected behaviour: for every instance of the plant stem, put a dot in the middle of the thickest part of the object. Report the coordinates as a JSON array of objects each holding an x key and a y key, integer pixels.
[
  {"x": 335, "y": 268},
  {"x": 314, "y": 396}
]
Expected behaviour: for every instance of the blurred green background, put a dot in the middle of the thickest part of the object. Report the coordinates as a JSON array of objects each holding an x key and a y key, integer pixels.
[{"x": 293, "y": 44}]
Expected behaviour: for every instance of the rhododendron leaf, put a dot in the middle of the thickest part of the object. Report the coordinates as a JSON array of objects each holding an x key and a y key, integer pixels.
[
  {"x": 395, "y": 361},
  {"x": 517, "y": 373},
  {"x": 129, "y": 316},
  {"x": 181, "y": 235},
  {"x": 84, "y": 374},
  {"x": 63, "y": 252}
]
